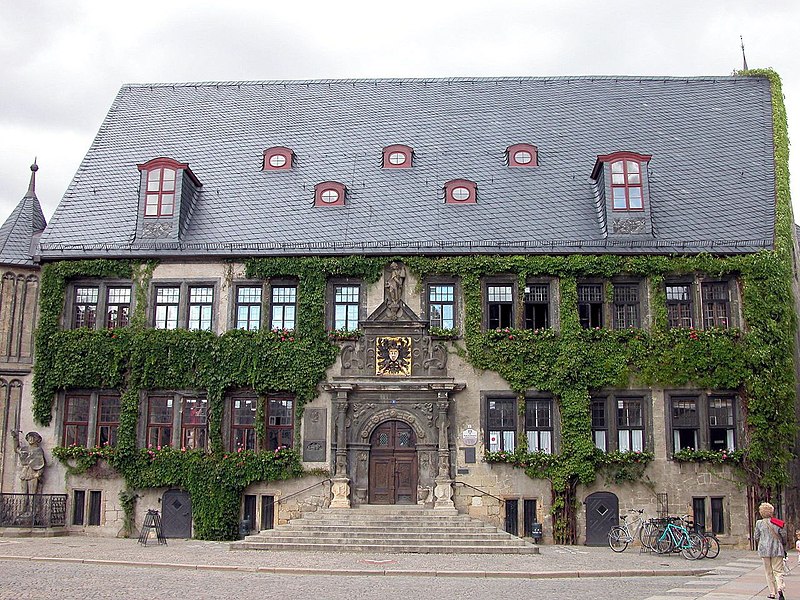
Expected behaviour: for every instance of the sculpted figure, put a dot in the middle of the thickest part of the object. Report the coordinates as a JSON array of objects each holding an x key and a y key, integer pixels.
[
  {"x": 31, "y": 460},
  {"x": 394, "y": 287}
]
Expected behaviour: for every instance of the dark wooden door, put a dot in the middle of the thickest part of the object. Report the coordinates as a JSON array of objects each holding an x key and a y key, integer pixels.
[
  {"x": 393, "y": 464},
  {"x": 176, "y": 514},
  {"x": 602, "y": 513}
]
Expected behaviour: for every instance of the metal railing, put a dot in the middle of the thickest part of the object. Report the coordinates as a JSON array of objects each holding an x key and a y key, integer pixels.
[
  {"x": 297, "y": 493},
  {"x": 483, "y": 492},
  {"x": 33, "y": 510}
]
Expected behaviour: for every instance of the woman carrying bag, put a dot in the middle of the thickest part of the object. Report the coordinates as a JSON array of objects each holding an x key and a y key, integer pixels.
[{"x": 770, "y": 537}]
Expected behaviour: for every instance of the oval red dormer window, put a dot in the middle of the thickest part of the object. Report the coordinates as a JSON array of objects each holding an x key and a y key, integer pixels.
[
  {"x": 329, "y": 193},
  {"x": 460, "y": 191},
  {"x": 522, "y": 155},
  {"x": 278, "y": 158},
  {"x": 397, "y": 156}
]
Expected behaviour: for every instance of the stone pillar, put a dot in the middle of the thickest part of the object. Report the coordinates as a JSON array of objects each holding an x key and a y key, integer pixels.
[
  {"x": 340, "y": 486},
  {"x": 443, "y": 491}
]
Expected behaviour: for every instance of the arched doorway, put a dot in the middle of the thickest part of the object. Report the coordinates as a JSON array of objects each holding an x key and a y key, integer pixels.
[
  {"x": 393, "y": 464},
  {"x": 602, "y": 513}
]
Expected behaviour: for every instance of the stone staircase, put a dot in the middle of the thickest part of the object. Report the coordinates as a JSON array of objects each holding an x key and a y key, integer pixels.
[{"x": 387, "y": 529}]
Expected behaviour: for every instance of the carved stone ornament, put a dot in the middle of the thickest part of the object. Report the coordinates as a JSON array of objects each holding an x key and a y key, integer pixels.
[
  {"x": 157, "y": 229},
  {"x": 393, "y": 356},
  {"x": 629, "y": 225}
]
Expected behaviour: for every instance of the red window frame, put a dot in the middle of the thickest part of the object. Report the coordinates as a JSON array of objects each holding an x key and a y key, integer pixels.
[
  {"x": 108, "y": 419},
  {"x": 283, "y": 151},
  {"x": 451, "y": 191},
  {"x": 159, "y": 430},
  {"x": 243, "y": 430},
  {"x": 626, "y": 180},
  {"x": 329, "y": 186},
  {"x": 512, "y": 151},
  {"x": 407, "y": 151},
  {"x": 280, "y": 422},
  {"x": 194, "y": 423},
  {"x": 159, "y": 195},
  {"x": 76, "y": 430}
]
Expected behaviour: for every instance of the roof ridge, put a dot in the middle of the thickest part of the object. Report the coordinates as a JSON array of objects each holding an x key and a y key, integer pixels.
[{"x": 462, "y": 79}]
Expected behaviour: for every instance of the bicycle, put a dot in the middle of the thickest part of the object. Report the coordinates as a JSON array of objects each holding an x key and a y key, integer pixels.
[
  {"x": 677, "y": 538},
  {"x": 710, "y": 544},
  {"x": 620, "y": 536}
]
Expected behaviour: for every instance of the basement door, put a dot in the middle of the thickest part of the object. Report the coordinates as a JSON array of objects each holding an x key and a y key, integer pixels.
[
  {"x": 393, "y": 464},
  {"x": 602, "y": 513},
  {"x": 176, "y": 514}
]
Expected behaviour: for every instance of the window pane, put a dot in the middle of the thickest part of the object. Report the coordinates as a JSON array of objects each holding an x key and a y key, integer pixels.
[
  {"x": 635, "y": 197},
  {"x": 249, "y": 294},
  {"x": 499, "y": 293},
  {"x": 619, "y": 197},
  {"x": 201, "y": 295}
]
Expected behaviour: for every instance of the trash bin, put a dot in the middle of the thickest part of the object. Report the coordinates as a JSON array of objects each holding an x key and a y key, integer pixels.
[
  {"x": 536, "y": 532},
  {"x": 244, "y": 528}
]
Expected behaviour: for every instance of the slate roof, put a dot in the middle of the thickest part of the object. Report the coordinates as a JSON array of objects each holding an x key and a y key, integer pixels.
[
  {"x": 20, "y": 232},
  {"x": 711, "y": 175}
]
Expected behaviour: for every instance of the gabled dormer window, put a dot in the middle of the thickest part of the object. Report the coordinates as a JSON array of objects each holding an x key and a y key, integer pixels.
[
  {"x": 397, "y": 156},
  {"x": 460, "y": 191},
  {"x": 278, "y": 158},
  {"x": 161, "y": 180},
  {"x": 522, "y": 155},
  {"x": 329, "y": 193},
  {"x": 624, "y": 172}
]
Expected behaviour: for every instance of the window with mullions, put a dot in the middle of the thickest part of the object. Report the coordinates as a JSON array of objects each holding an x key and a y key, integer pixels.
[
  {"x": 248, "y": 307},
  {"x": 600, "y": 424},
  {"x": 539, "y": 424},
  {"x": 108, "y": 410},
  {"x": 76, "y": 420},
  {"x": 590, "y": 305},
  {"x": 721, "y": 423},
  {"x": 346, "y": 306},
  {"x": 716, "y": 305},
  {"x": 500, "y": 306},
  {"x": 160, "y": 195},
  {"x": 194, "y": 423},
  {"x": 626, "y": 185},
  {"x": 243, "y": 422},
  {"x": 201, "y": 305},
  {"x": 118, "y": 307},
  {"x": 626, "y": 306},
  {"x": 630, "y": 424},
  {"x": 280, "y": 421},
  {"x": 85, "y": 307},
  {"x": 501, "y": 421},
  {"x": 284, "y": 307},
  {"x": 159, "y": 421},
  {"x": 166, "y": 307},
  {"x": 685, "y": 423},
  {"x": 441, "y": 305},
  {"x": 537, "y": 306},
  {"x": 679, "y": 305}
]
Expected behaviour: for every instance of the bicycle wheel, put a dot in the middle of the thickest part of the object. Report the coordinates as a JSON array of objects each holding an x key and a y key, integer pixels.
[
  {"x": 648, "y": 534},
  {"x": 617, "y": 539},
  {"x": 665, "y": 543},
  {"x": 692, "y": 548},
  {"x": 712, "y": 545}
]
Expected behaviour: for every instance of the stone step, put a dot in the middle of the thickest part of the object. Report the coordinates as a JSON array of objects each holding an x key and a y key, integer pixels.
[
  {"x": 398, "y": 538},
  {"x": 388, "y": 548},
  {"x": 359, "y": 527}
]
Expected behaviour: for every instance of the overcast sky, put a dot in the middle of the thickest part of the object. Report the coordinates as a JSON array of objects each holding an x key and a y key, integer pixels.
[{"x": 62, "y": 63}]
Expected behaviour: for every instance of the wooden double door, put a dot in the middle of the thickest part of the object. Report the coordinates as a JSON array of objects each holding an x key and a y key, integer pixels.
[{"x": 393, "y": 464}]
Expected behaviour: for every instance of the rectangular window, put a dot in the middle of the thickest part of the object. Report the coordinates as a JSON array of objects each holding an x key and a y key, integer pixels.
[
  {"x": 280, "y": 422},
  {"x": 590, "y": 305},
  {"x": 248, "y": 307},
  {"x": 78, "y": 506},
  {"x": 345, "y": 307},
  {"x": 500, "y": 306},
  {"x": 537, "y": 306},
  {"x": 626, "y": 306},
  {"x": 501, "y": 419},
  {"x": 721, "y": 423},
  {"x": 717, "y": 516},
  {"x": 716, "y": 305},
  {"x": 194, "y": 423},
  {"x": 118, "y": 307},
  {"x": 166, "y": 307},
  {"x": 679, "y": 305},
  {"x": 685, "y": 423},
  {"x": 284, "y": 306},
  {"x": 159, "y": 421},
  {"x": 108, "y": 409},
  {"x": 76, "y": 420},
  {"x": 201, "y": 303},
  {"x": 600, "y": 424},
  {"x": 85, "y": 308},
  {"x": 243, "y": 423},
  {"x": 539, "y": 425},
  {"x": 630, "y": 424},
  {"x": 95, "y": 507},
  {"x": 441, "y": 305}
]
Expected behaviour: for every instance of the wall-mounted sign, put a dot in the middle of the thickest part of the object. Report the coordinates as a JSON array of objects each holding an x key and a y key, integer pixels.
[{"x": 469, "y": 436}]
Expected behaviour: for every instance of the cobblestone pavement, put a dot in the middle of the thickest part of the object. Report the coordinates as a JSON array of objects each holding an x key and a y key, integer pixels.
[{"x": 735, "y": 574}]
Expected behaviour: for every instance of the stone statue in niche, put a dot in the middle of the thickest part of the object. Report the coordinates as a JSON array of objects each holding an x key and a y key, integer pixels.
[
  {"x": 395, "y": 281},
  {"x": 31, "y": 460}
]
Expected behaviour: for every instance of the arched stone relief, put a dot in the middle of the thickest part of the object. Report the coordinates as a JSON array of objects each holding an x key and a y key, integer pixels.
[{"x": 391, "y": 414}]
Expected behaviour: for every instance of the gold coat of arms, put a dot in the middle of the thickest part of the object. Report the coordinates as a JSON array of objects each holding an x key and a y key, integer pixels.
[{"x": 393, "y": 356}]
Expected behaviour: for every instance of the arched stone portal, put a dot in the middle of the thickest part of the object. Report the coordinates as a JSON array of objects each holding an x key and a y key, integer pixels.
[{"x": 393, "y": 464}]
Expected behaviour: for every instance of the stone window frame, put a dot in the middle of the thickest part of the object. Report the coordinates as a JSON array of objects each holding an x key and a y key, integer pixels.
[
  {"x": 553, "y": 429},
  {"x": 703, "y": 403},
  {"x": 611, "y": 397},
  {"x": 178, "y": 398},
  {"x": 228, "y": 427},
  {"x": 457, "y": 303},
  {"x": 641, "y": 304},
  {"x": 603, "y": 302},
  {"x": 692, "y": 300},
  {"x": 281, "y": 283},
  {"x": 103, "y": 286},
  {"x": 520, "y": 420},
  {"x": 552, "y": 302},
  {"x": 497, "y": 281},
  {"x": 93, "y": 423},
  {"x": 233, "y": 317},
  {"x": 86, "y": 514},
  {"x": 183, "y": 301},
  {"x": 330, "y": 317}
]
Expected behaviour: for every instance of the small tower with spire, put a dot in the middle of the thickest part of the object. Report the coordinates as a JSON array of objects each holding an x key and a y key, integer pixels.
[{"x": 744, "y": 58}]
